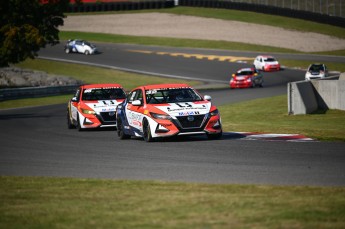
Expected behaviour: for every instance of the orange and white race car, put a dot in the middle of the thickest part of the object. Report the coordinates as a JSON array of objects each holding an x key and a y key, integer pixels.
[
  {"x": 165, "y": 110},
  {"x": 94, "y": 105}
]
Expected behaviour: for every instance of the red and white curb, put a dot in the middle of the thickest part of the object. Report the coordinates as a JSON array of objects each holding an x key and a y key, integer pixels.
[{"x": 270, "y": 137}]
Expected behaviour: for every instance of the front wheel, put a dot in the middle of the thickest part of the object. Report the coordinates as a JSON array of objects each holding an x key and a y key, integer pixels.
[
  {"x": 79, "y": 127},
  {"x": 120, "y": 130},
  {"x": 69, "y": 123},
  {"x": 147, "y": 132},
  {"x": 215, "y": 136}
]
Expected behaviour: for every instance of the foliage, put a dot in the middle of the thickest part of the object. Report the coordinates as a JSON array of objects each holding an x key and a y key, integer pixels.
[{"x": 28, "y": 25}]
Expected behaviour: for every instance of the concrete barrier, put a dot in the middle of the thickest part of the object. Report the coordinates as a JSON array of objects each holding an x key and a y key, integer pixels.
[
  {"x": 330, "y": 94},
  {"x": 301, "y": 98},
  {"x": 305, "y": 97}
]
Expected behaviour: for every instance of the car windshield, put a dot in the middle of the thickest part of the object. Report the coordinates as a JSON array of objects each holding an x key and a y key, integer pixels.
[
  {"x": 244, "y": 73},
  {"x": 270, "y": 59},
  {"x": 103, "y": 94},
  {"x": 171, "y": 95},
  {"x": 316, "y": 68}
]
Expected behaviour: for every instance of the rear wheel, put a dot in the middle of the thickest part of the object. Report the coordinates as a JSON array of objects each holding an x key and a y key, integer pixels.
[
  {"x": 120, "y": 130},
  {"x": 67, "y": 50},
  {"x": 147, "y": 132}
]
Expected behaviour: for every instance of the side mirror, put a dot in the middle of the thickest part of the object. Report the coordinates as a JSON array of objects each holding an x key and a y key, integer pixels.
[
  {"x": 207, "y": 97},
  {"x": 74, "y": 99},
  {"x": 136, "y": 103}
]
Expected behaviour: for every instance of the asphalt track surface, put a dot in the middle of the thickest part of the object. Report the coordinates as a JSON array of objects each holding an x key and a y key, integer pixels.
[{"x": 36, "y": 142}]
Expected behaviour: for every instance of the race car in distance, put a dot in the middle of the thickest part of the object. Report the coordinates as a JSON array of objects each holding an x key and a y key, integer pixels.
[
  {"x": 94, "y": 105},
  {"x": 80, "y": 46},
  {"x": 166, "y": 110},
  {"x": 246, "y": 77},
  {"x": 316, "y": 71},
  {"x": 266, "y": 63}
]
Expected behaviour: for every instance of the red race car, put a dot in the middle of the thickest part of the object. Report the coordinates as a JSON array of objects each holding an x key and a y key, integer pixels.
[
  {"x": 246, "y": 77},
  {"x": 94, "y": 105},
  {"x": 166, "y": 110}
]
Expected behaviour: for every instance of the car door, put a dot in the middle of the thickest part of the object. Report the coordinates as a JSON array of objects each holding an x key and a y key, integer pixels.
[
  {"x": 74, "y": 105},
  {"x": 79, "y": 45},
  {"x": 135, "y": 112}
]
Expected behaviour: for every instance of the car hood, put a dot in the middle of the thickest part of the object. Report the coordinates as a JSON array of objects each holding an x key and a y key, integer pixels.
[
  {"x": 185, "y": 108},
  {"x": 243, "y": 77},
  {"x": 103, "y": 105}
]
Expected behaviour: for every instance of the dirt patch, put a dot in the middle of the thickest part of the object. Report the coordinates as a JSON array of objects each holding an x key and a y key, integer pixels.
[{"x": 177, "y": 26}]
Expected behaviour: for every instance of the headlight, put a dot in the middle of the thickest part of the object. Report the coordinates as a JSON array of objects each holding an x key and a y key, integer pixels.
[
  {"x": 214, "y": 113},
  {"x": 86, "y": 111},
  {"x": 160, "y": 116}
]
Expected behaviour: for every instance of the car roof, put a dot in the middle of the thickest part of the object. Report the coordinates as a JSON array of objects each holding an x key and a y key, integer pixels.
[
  {"x": 161, "y": 86},
  {"x": 245, "y": 69},
  {"x": 101, "y": 85}
]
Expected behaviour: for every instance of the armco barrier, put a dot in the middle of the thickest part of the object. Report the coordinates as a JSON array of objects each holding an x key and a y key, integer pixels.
[
  {"x": 120, "y": 6},
  {"x": 33, "y": 92},
  {"x": 305, "y": 97}
]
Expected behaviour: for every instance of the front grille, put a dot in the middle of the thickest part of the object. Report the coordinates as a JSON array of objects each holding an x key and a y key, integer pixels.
[
  {"x": 108, "y": 117},
  {"x": 185, "y": 123}
]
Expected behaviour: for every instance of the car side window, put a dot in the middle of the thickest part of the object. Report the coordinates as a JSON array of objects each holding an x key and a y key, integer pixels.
[
  {"x": 131, "y": 96},
  {"x": 135, "y": 95}
]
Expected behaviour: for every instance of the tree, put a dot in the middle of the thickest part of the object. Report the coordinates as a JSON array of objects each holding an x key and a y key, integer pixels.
[{"x": 28, "y": 25}]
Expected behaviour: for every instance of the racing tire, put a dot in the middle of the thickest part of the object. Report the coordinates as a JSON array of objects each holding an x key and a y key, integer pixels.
[
  {"x": 120, "y": 131},
  {"x": 67, "y": 51},
  {"x": 69, "y": 123},
  {"x": 147, "y": 132},
  {"x": 215, "y": 136},
  {"x": 87, "y": 52},
  {"x": 78, "y": 125}
]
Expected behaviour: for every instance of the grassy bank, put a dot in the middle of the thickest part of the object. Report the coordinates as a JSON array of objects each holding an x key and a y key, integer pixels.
[{"x": 88, "y": 203}]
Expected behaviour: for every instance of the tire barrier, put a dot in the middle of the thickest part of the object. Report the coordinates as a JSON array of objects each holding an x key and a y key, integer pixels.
[{"x": 266, "y": 9}]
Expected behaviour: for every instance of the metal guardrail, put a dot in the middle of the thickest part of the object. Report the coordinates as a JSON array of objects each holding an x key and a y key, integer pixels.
[{"x": 34, "y": 92}]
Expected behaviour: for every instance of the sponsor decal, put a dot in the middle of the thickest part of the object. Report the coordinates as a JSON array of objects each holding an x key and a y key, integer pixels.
[
  {"x": 186, "y": 113},
  {"x": 185, "y": 106}
]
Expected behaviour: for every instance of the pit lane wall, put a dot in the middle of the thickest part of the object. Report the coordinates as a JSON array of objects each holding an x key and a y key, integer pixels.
[{"x": 306, "y": 97}]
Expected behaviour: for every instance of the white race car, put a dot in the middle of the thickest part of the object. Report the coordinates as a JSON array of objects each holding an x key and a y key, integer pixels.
[
  {"x": 80, "y": 46},
  {"x": 266, "y": 63},
  {"x": 94, "y": 106},
  {"x": 166, "y": 110},
  {"x": 316, "y": 71}
]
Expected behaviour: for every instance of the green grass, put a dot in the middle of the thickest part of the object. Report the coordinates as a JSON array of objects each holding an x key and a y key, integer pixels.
[
  {"x": 270, "y": 115},
  {"x": 88, "y": 203}
]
